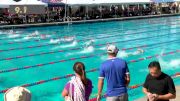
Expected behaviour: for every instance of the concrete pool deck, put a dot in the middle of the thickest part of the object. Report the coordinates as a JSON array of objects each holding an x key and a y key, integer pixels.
[
  {"x": 83, "y": 21},
  {"x": 177, "y": 95}
]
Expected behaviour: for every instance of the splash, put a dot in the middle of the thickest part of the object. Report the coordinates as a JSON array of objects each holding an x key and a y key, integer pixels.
[
  {"x": 17, "y": 40},
  {"x": 27, "y": 38},
  {"x": 10, "y": 32},
  {"x": 89, "y": 49},
  {"x": 13, "y": 35},
  {"x": 36, "y": 32},
  {"x": 103, "y": 48},
  {"x": 70, "y": 45},
  {"x": 33, "y": 35},
  {"x": 19, "y": 32},
  {"x": 89, "y": 43},
  {"x": 172, "y": 64},
  {"x": 68, "y": 39},
  {"x": 52, "y": 41},
  {"x": 122, "y": 54},
  {"x": 175, "y": 63}
]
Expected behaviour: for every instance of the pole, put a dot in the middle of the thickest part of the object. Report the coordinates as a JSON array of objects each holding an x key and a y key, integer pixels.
[
  {"x": 26, "y": 18},
  {"x": 48, "y": 13},
  {"x": 65, "y": 11},
  {"x": 138, "y": 10},
  {"x": 100, "y": 11},
  {"x": 87, "y": 16},
  {"x": 122, "y": 6},
  {"x": 127, "y": 9}
]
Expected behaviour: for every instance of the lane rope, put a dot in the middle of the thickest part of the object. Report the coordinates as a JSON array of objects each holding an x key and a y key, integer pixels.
[
  {"x": 43, "y": 45},
  {"x": 78, "y": 48},
  {"x": 83, "y": 33},
  {"x": 37, "y": 40},
  {"x": 92, "y": 70},
  {"x": 77, "y": 58}
]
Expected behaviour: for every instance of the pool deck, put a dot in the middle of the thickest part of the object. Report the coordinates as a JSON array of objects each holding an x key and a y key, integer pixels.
[
  {"x": 83, "y": 21},
  {"x": 177, "y": 95}
]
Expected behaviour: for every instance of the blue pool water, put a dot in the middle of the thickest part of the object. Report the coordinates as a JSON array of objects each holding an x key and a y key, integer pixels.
[{"x": 160, "y": 35}]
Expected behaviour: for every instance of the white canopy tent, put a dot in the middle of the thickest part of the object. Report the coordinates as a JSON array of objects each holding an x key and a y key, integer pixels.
[
  {"x": 91, "y": 2},
  {"x": 30, "y": 2},
  {"x": 103, "y": 2},
  {"x": 163, "y": 1},
  {"x": 77, "y": 2},
  {"x": 120, "y": 1},
  {"x": 6, "y": 3}
]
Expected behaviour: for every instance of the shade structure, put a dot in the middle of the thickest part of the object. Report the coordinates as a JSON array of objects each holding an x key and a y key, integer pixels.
[
  {"x": 6, "y": 3},
  {"x": 163, "y": 1},
  {"x": 94, "y": 2},
  {"x": 53, "y": 3},
  {"x": 30, "y": 2}
]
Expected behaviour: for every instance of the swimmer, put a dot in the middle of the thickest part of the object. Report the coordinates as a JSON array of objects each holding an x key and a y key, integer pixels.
[
  {"x": 126, "y": 54},
  {"x": 11, "y": 32},
  {"x": 43, "y": 36},
  {"x": 89, "y": 43},
  {"x": 55, "y": 41},
  {"x": 35, "y": 34},
  {"x": 137, "y": 52},
  {"x": 69, "y": 38}
]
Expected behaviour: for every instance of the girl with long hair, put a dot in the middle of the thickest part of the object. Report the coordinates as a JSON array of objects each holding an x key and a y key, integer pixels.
[{"x": 79, "y": 87}]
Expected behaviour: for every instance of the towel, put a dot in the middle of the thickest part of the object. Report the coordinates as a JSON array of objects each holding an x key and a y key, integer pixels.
[{"x": 79, "y": 89}]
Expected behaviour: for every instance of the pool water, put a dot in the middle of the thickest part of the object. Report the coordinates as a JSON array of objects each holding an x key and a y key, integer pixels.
[{"x": 64, "y": 45}]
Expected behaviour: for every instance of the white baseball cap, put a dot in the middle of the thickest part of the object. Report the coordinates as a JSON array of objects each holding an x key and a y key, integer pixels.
[
  {"x": 17, "y": 94},
  {"x": 112, "y": 49}
]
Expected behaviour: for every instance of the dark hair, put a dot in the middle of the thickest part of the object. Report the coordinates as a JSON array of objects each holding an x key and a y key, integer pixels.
[
  {"x": 154, "y": 64},
  {"x": 79, "y": 68}
]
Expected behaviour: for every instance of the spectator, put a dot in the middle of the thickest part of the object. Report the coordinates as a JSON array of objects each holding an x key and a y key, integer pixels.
[
  {"x": 79, "y": 87},
  {"x": 158, "y": 86},
  {"x": 116, "y": 72},
  {"x": 17, "y": 94}
]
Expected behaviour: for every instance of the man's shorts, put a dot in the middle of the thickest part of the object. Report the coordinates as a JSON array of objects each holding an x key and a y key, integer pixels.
[{"x": 123, "y": 97}]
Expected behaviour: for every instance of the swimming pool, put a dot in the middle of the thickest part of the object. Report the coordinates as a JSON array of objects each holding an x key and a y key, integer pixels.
[{"x": 31, "y": 55}]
